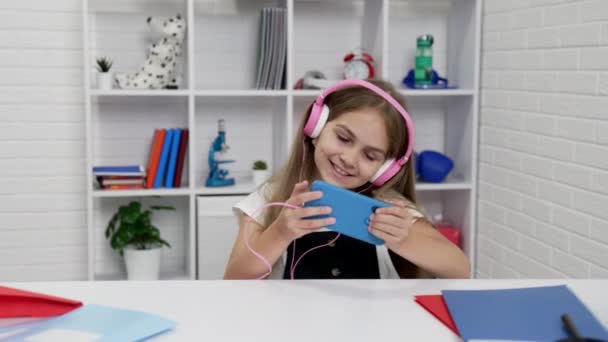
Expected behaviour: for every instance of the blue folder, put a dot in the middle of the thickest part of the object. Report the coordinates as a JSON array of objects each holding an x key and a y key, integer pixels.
[
  {"x": 529, "y": 314},
  {"x": 98, "y": 322}
]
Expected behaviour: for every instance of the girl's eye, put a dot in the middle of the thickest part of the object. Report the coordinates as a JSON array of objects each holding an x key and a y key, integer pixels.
[
  {"x": 342, "y": 138},
  {"x": 371, "y": 157}
]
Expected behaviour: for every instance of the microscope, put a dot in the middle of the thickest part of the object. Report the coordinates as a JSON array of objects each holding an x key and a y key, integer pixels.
[{"x": 217, "y": 176}]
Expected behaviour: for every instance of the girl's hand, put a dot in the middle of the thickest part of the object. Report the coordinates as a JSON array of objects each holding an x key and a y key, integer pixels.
[
  {"x": 292, "y": 223},
  {"x": 391, "y": 224}
]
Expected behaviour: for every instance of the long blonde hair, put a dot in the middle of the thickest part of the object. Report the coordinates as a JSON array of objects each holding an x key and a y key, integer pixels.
[{"x": 301, "y": 165}]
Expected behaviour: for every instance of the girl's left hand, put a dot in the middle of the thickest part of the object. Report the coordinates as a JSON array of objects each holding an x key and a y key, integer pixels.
[{"x": 392, "y": 224}]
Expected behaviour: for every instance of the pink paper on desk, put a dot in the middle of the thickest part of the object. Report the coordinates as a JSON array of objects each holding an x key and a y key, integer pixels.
[
  {"x": 436, "y": 306},
  {"x": 20, "y": 303}
]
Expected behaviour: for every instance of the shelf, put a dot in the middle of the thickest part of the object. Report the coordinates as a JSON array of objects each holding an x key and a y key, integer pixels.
[
  {"x": 238, "y": 189},
  {"x": 218, "y": 83},
  {"x": 133, "y": 92},
  {"x": 251, "y": 93},
  {"x": 436, "y": 92},
  {"x": 402, "y": 91},
  {"x": 422, "y": 186},
  {"x": 306, "y": 92},
  {"x": 141, "y": 192},
  {"x": 175, "y": 275}
]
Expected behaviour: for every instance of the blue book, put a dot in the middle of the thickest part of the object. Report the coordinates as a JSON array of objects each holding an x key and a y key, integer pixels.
[
  {"x": 173, "y": 158},
  {"x": 122, "y": 169},
  {"x": 96, "y": 323},
  {"x": 164, "y": 158},
  {"x": 523, "y": 314}
]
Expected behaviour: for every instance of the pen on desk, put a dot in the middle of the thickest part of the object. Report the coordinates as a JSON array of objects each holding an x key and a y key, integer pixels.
[{"x": 571, "y": 328}]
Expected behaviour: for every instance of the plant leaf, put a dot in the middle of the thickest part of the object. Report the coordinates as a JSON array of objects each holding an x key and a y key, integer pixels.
[
  {"x": 131, "y": 212},
  {"x": 111, "y": 226},
  {"x": 165, "y": 243}
]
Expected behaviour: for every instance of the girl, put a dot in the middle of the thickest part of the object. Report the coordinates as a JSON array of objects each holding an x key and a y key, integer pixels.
[{"x": 366, "y": 125}]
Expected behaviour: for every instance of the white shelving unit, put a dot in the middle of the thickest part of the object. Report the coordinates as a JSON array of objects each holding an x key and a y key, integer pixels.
[{"x": 219, "y": 64}]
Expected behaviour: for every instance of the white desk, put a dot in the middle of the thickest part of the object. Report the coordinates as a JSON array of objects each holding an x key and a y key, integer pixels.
[{"x": 284, "y": 311}]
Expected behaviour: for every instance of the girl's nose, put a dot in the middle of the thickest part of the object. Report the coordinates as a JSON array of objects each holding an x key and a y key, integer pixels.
[{"x": 348, "y": 158}]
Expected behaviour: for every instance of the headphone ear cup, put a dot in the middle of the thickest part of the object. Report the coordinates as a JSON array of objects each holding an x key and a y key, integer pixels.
[
  {"x": 316, "y": 120},
  {"x": 385, "y": 172}
]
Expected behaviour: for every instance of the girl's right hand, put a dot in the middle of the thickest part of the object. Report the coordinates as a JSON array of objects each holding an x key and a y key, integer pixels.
[{"x": 292, "y": 223}]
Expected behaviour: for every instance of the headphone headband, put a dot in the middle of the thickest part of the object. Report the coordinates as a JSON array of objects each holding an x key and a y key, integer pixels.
[{"x": 406, "y": 117}]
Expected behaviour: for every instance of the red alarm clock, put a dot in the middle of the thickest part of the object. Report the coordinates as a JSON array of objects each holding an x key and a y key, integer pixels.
[{"x": 358, "y": 64}]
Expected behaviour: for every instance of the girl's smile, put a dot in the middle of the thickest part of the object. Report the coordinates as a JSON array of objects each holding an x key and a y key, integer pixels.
[{"x": 339, "y": 172}]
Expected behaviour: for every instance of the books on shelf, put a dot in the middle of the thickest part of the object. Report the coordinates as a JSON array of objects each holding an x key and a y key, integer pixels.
[
  {"x": 164, "y": 168},
  {"x": 272, "y": 49},
  {"x": 167, "y": 158}
]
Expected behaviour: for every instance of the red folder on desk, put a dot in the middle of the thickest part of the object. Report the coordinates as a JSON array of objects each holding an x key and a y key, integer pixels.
[
  {"x": 19, "y": 303},
  {"x": 436, "y": 306}
]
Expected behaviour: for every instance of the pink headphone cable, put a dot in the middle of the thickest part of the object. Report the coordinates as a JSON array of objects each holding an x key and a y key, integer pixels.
[{"x": 261, "y": 257}]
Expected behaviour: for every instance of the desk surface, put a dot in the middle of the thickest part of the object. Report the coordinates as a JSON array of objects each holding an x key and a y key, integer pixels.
[{"x": 282, "y": 310}]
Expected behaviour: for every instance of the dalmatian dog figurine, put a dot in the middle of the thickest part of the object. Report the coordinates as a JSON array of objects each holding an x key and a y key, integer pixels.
[{"x": 159, "y": 70}]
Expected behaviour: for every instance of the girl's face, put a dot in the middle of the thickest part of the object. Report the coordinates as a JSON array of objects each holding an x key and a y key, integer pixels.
[{"x": 351, "y": 148}]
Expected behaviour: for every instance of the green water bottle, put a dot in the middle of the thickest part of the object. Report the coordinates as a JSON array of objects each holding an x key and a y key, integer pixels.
[{"x": 423, "y": 73}]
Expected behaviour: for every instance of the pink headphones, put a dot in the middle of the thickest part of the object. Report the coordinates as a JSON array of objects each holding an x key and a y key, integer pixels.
[{"x": 320, "y": 112}]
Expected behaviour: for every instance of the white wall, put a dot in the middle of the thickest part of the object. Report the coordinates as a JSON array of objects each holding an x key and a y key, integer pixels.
[
  {"x": 543, "y": 192},
  {"x": 42, "y": 196}
]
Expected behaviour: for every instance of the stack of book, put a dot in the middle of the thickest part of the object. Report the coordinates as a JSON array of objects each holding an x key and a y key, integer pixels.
[
  {"x": 120, "y": 177},
  {"x": 272, "y": 49},
  {"x": 164, "y": 169}
]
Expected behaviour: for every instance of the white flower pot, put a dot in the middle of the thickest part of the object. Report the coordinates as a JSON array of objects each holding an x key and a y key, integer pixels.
[
  {"x": 260, "y": 176},
  {"x": 142, "y": 264},
  {"x": 104, "y": 80}
]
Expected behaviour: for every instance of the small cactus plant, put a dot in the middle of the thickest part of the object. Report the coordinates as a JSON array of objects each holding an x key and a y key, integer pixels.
[{"x": 104, "y": 64}]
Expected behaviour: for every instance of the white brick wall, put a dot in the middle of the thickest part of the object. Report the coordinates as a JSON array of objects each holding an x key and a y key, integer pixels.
[
  {"x": 543, "y": 199},
  {"x": 42, "y": 210}
]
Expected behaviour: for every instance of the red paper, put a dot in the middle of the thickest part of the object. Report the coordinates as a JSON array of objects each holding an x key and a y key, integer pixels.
[
  {"x": 19, "y": 303},
  {"x": 436, "y": 306}
]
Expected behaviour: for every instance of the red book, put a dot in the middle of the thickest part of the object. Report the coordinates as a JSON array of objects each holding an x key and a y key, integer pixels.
[
  {"x": 124, "y": 186},
  {"x": 181, "y": 156},
  {"x": 154, "y": 157}
]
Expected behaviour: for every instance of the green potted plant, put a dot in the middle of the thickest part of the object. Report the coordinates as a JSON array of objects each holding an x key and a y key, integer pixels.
[
  {"x": 260, "y": 172},
  {"x": 132, "y": 235},
  {"x": 104, "y": 76}
]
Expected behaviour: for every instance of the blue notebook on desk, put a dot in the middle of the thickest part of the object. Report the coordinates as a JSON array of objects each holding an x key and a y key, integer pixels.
[
  {"x": 529, "y": 314},
  {"x": 95, "y": 323}
]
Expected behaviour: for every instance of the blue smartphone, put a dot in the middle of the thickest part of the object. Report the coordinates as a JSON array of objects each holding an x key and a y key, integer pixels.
[{"x": 351, "y": 210}]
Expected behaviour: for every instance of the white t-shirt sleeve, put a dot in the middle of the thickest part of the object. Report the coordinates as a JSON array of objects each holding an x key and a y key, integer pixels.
[{"x": 252, "y": 204}]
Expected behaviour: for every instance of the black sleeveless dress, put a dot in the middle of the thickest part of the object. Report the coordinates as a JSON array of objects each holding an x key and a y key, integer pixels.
[{"x": 346, "y": 258}]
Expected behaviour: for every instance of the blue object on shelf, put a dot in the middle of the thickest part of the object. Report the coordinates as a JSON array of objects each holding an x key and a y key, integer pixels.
[
  {"x": 217, "y": 176},
  {"x": 433, "y": 167},
  {"x": 438, "y": 82}
]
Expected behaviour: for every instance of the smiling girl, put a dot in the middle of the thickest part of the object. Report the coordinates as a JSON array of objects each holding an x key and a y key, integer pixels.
[{"x": 358, "y": 136}]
